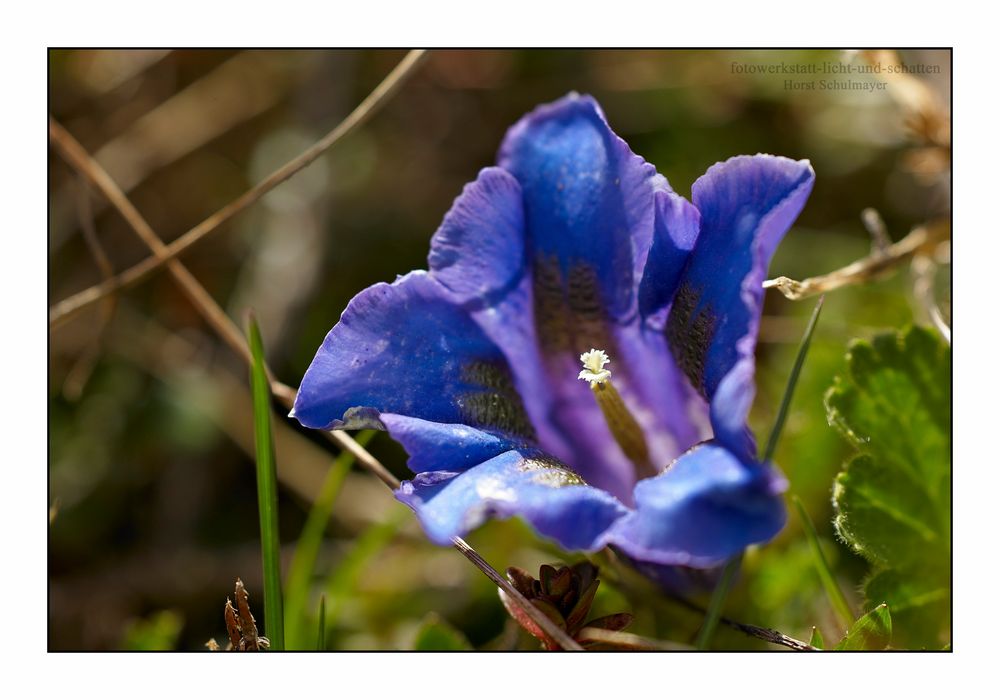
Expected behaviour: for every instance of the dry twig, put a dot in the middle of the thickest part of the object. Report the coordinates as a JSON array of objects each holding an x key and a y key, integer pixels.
[
  {"x": 76, "y": 156},
  {"x": 68, "y": 308},
  {"x": 219, "y": 321},
  {"x": 764, "y": 633},
  {"x": 923, "y": 271},
  {"x": 79, "y": 373},
  {"x": 868, "y": 268}
]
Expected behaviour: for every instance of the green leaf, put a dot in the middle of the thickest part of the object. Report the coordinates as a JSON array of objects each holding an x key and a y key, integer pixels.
[
  {"x": 793, "y": 380},
  {"x": 310, "y": 542},
  {"x": 920, "y": 601},
  {"x": 816, "y": 640},
  {"x": 267, "y": 489},
  {"x": 717, "y": 602},
  {"x": 893, "y": 501},
  {"x": 833, "y": 591},
  {"x": 345, "y": 575},
  {"x": 435, "y": 634},
  {"x": 871, "y": 632},
  {"x": 321, "y": 634}
]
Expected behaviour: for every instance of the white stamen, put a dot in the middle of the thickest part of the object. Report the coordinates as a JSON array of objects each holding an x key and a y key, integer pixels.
[{"x": 593, "y": 367}]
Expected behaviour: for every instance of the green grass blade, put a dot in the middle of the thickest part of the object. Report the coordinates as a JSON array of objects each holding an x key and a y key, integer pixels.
[
  {"x": 833, "y": 592},
  {"x": 343, "y": 579},
  {"x": 321, "y": 636},
  {"x": 714, "y": 611},
  {"x": 793, "y": 379},
  {"x": 310, "y": 542},
  {"x": 267, "y": 489}
]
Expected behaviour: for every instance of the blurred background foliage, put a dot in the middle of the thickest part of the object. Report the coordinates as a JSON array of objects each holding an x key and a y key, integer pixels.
[{"x": 151, "y": 480}]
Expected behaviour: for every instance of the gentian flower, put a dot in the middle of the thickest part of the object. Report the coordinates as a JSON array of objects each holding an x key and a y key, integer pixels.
[{"x": 575, "y": 250}]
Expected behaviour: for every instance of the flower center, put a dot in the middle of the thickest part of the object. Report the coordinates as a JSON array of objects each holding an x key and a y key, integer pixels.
[{"x": 623, "y": 425}]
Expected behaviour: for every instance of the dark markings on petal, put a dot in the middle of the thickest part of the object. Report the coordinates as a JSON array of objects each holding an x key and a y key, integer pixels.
[
  {"x": 494, "y": 402},
  {"x": 689, "y": 332},
  {"x": 570, "y": 314},
  {"x": 590, "y": 319},
  {"x": 551, "y": 317},
  {"x": 550, "y": 472}
]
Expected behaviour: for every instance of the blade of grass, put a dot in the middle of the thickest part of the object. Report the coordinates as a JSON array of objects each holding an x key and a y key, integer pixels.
[
  {"x": 267, "y": 488},
  {"x": 344, "y": 577},
  {"x": 714, "y": 611},
  {"x": 321, "y": 637},
  {"x": 833, "y": 592},
  {"x": 310, "y": 541},
  {"x": 793, "y": 379}
]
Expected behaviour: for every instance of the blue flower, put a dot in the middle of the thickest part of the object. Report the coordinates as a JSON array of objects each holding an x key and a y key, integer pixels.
[{"x": 572, "y": 249}]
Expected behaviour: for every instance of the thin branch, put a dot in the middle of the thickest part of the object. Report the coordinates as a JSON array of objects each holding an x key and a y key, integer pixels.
[
  {"x": 867, "y": 268},
  {"x": 537, "y": 616},
  {"x": 210, "y": 310},
  {"x": 213, "y": 314},
  {"x": 764, "y": 633},
  {"x": 923, "y": 269},
  {"x": 68, "y": 308},
  {"x": 70, "y": 149},
  {"x": 79, "y": 374},
  {"x": 627, "y": 640}
]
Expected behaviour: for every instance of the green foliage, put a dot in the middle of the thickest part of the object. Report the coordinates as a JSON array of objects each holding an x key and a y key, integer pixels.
[
  {"x": 793, "y": 380},
  {"x": 833, "y": 591},
  {"x": 816, "y": 639},
  {"x": 307, "y": 550},
  {"x": 872, "y": 632},
  {"x": 343, "y": 580},
  {"x": 267, "y": 490},
  {"x": 158, "y": 632},
  {"x": 435, "y": 634},
  {"x": 717, "y": 602},
  {"x": 321, "y": 634},
  {"x": 893, "y": 501}
]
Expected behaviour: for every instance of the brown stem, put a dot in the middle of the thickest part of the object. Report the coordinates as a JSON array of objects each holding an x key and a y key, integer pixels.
[
  {"x": 764, "y": 633},
  {"x": 68, "y": 308},
  {"x": 867, "y": 268},
  {"x": 77, "y": 156}
]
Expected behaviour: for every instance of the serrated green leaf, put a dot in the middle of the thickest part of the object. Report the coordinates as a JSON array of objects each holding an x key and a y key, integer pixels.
[
  {"x": 893, "y": 501},
  {"x": 871, "y": 632},
  {"x": 833, "y": 592},
  {"x": 816, "y": 639},
  {"x": 885, "y": 516},
  {"x": 920, "y": 603},
  {"x": 435, "y": 634}
]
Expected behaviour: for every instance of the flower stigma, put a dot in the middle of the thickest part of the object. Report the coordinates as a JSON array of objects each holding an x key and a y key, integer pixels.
[
  {"x": 622, "y": 424},
  {"x": 593, "y": 367}
]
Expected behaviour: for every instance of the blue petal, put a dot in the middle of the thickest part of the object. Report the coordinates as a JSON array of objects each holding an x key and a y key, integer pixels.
[
  {"x": 588, "y": 206},
  {"x": 588, "y": 200},
  {"x": 551, "y": 498},
  {"x": 676, "y": 226},
  {"x": 747, "y": 205},
  {"x": 707, "y": 506},
  {"x": 478, "y": 251},
  {"x": 406, "y": 349},
  {"x": 435, "y": 446}
]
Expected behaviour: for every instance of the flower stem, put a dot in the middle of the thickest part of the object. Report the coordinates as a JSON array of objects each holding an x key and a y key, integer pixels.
[{"x": 718, "y": 600}]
